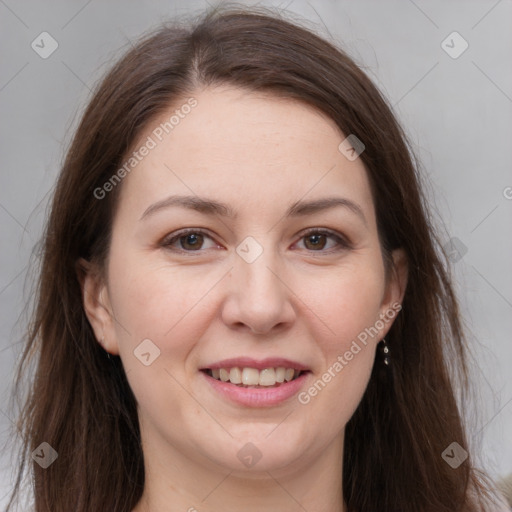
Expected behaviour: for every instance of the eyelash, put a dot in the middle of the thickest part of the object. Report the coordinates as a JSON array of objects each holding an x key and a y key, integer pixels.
[{"x": 343, "y": 243}]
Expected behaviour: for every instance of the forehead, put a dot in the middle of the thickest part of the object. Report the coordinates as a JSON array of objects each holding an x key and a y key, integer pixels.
[{"x": 252, "y": 150}]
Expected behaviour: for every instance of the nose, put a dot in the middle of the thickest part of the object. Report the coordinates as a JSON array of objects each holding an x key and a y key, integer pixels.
[{"x": 258, "y": 297}]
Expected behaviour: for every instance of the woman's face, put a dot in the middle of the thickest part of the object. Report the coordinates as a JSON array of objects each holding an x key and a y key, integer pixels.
[{"x": 248, "y": 289}]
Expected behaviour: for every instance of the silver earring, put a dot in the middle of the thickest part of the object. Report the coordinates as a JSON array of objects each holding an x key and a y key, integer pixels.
[{"x": 385, "y": 351}]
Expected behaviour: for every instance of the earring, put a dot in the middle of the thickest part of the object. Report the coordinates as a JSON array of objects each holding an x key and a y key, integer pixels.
[{"x": 385, "y": 351}]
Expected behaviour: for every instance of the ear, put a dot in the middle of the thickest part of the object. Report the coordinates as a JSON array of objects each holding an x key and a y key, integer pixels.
[
  {"x": 395, "y": 290},
  {"x": 96, "y": 303}
]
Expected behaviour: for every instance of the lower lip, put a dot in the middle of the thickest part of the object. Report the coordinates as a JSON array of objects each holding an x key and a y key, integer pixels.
[{"x": 257, "y": 397}]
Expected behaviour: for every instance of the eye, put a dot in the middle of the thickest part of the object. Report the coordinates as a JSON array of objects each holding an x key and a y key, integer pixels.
[
  {"x": 316, "y": 240},
  {"x": 189, "y": 240}
]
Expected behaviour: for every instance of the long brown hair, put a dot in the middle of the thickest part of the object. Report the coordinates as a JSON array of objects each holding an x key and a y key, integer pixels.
[{"x": 80, "y": 402}]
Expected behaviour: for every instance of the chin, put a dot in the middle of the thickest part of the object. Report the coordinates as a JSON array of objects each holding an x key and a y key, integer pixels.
[{"x": 259, "y": 449}]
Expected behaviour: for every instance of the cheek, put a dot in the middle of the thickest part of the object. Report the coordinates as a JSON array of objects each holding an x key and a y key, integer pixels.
[
  {"x": 347, "y": 301},
  {"x": 159, "y": 302},
  {"x": 168, "y": 306},
  {"x": 348, "y": 304}
]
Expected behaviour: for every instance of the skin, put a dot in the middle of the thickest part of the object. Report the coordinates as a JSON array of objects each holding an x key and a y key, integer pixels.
[{"x": 258, "y": 154}]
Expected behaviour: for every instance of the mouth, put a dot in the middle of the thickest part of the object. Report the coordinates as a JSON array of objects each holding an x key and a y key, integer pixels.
[
  {"x": 248, "y": 377},
  {"x": 256, "y": 383}
]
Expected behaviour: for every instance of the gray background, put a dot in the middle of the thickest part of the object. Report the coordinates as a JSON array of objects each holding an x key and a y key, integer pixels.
[{"x": 457, "y": 112}]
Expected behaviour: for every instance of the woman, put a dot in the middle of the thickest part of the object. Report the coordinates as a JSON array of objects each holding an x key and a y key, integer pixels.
[{"x": 242, "y": 302}]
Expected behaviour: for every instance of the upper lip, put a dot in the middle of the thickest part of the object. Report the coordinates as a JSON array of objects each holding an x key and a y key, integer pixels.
[{"x": 261, "y": 364}]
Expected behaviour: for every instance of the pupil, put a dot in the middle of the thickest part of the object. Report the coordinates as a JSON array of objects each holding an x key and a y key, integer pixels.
[
  {"x": 316, "y": 242},
  {"x": 191, "y": 239}
]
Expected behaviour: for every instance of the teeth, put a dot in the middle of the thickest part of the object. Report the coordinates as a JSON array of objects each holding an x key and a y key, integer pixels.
[
  {"x": 235, "y": 376},
  {"x": 250, "y": 376},
  {"x": 267, "y": 377},
  {"x": 254, "y": 377}
]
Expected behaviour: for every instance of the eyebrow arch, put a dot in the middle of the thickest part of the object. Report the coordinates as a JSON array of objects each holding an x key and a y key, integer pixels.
[{"x": 212, "y": 207}]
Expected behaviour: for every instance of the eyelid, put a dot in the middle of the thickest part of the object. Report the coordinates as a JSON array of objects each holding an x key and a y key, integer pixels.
[{"x": 343, "y": 242}]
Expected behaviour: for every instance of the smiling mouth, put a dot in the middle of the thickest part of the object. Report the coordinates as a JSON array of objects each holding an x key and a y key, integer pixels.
[{"x": 254, "y": 378}]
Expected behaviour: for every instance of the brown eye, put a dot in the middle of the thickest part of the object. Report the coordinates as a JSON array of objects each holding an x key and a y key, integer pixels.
[
  {"x": 316, "y": 241},
  {"x": 191, "y": 241}
]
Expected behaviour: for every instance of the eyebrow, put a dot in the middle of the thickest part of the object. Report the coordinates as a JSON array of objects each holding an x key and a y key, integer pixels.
[{"x": 212, "y": 207}]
